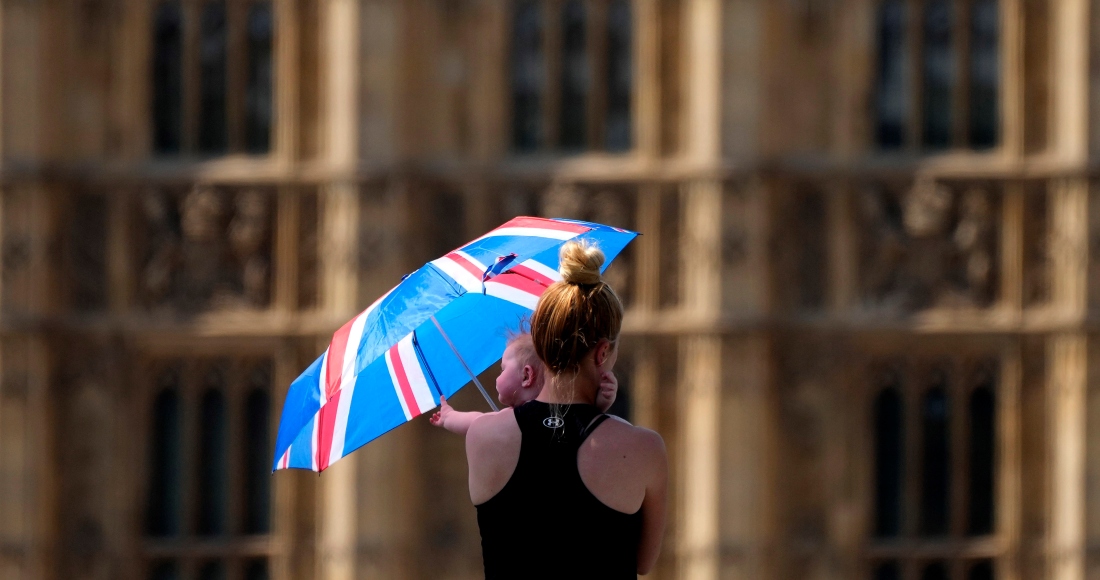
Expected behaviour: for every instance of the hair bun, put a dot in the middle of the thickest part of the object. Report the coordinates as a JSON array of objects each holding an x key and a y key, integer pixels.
[{"x": 580, "y": 263}]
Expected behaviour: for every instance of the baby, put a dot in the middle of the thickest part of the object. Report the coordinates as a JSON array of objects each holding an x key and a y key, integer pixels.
[{"x": 520, "y": 380}]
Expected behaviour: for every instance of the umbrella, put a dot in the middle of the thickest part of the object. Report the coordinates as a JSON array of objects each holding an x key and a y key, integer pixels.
[{"x": 426, "y": 338}]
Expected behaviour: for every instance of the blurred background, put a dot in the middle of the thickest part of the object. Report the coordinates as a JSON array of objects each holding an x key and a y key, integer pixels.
[{"x": 860, "y": 313}]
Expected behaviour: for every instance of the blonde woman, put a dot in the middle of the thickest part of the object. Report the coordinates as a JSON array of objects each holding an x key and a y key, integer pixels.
[{"x": 560, "y": 491}]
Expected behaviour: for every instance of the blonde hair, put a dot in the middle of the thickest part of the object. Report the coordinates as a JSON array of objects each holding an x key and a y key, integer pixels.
[{"x": 574, "y": 314}]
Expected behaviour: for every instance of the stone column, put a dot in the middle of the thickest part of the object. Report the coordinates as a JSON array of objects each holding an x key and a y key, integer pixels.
[
  {"x": 700, "y": 389},
  {"x": 340, "y": 63},
  {"x": 1066, "y": 363}
]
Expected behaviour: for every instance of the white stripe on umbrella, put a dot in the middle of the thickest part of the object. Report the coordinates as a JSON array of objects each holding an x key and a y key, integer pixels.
[
  {"x": 461, "y": 275},
  {"x": 512, "y": 294},
  {"x": 397, "y": 385},
  {"x": 543, "y": 269},
  {"x": 339, "y": 429},
  {"x": 533, "y": 232},
  {"x": 419, "y": 383},
  {"x": 322, "y": 394},
  {"x": 316, "y": 445}
]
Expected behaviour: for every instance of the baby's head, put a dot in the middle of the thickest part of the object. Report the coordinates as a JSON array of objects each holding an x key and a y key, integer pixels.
[{"x": 521, "y": 372}]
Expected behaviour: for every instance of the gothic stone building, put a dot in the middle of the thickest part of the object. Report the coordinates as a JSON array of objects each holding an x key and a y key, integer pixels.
[{"x": 863, "y": 313}]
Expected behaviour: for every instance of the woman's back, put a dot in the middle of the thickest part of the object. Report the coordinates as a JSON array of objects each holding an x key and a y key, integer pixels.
[{"x": 566, "y": 501}]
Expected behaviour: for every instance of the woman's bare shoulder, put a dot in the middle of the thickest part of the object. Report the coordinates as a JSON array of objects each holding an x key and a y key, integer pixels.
[
  {"x": 645, "y": 442},
  {"x": 492, "y": 429}
]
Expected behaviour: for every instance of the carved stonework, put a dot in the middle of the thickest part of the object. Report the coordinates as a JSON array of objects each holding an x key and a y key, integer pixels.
[
  {"x": 206, "y": 249},
  {"x": 934, "y": 246}
]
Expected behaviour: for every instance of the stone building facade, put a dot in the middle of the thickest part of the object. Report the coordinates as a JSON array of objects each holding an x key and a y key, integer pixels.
[{"x": 863, "y": 312}]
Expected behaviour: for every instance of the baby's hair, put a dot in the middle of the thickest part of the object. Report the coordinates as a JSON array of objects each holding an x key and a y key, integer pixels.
[{"x": 524, "y": 348}]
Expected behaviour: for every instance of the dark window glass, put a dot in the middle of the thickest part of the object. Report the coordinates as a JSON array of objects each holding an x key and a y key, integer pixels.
[
  {"x": 934, "y": 571},
  {"x": 886, "y": 571},
  {"x": 164, "y": 570},
  {"x": 256, "y": 569},
  {"x": 527, "y": 76},
  {"x": 620, "y": 76},
  {"x": 213, "y": 128},
  {"x": 938, "y": 72},
  {"x": 889, "y": 458},
  {"x": 935, "y": 462},
  {"x": 575, "y": 76},
  {"x": 981, "y": 571},
  {"x": 165, "y": 444},
  {"x": 892, "y": 90},
  {"x": 214, "y": 570},
  {"x": 167, "y": 77},
  {"x": 983, "y": 427},
  {"x": 258, "y": 93},
  {"x": 984, "y": 74},
  {"x": 211, "y": 466},
  {"x": 257, "y": 456}
]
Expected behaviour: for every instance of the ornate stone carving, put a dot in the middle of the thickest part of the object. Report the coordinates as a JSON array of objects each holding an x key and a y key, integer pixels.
[
  {"x": 930, "y": 247},
  {"x": 206, "y": 249}
]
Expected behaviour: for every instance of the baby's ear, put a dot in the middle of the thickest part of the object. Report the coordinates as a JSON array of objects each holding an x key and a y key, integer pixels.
[{"x": 528, "y": 376}]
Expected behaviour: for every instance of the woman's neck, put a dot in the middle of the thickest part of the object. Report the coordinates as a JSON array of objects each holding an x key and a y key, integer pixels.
[{"x": 566, "y": 389}]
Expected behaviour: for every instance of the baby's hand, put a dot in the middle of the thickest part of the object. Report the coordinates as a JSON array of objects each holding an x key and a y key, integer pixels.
[
  {"x": 439, "y": 418},
  {"x": 609, "y": 389}
]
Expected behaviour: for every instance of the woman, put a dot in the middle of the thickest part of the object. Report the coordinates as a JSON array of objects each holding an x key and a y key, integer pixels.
[{"x": 560, "y": 491}]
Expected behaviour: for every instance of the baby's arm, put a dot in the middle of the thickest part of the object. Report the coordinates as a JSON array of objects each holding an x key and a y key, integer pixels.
[{"x": 451, "y": 420}]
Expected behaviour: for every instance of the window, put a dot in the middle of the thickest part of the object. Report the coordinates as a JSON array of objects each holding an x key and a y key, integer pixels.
[
  {"x": 571, "y": 75},
  {"x": 938, "y": 75},
  {"x": 208, "y": 471},
  {"x": 934, "y": 435},
  {"x": 211, "y": 77}
]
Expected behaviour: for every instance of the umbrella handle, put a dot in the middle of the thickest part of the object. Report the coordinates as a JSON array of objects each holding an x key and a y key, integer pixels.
[{"x": 464, "y": 365}]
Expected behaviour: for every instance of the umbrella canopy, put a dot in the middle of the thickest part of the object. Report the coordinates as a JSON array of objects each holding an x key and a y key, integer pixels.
[{"x": 424, "y": 338}]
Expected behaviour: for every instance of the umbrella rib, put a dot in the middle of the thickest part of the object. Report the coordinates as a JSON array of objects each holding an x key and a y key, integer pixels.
[
  {"x": 464, "y": 365},
  {"x": 427, "y": 367}
]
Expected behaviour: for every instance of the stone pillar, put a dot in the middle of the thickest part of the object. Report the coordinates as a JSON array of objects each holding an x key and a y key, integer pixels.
[
  {"x": 700, "y": 389},
  {"x": 340, "y": 61},
  {"x": 1066, "y": 364},
  {"x": 339, "y": 293}
]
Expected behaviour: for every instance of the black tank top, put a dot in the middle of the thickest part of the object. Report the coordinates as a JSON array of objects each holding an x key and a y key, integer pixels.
[{"x": 545, "y": 523}]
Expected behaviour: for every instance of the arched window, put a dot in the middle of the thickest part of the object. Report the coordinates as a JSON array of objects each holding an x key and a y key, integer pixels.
[
  {"x": 620, "y": 76},
  {"x": 934, "y": 571},
  {"x": 202, "y": 109},
  {"x": 165, "y": 462},
  {"x": 954, "y": 73},
  {"x": 208, "y": 510},
  {"x": 934, "y": 470},
  {"x": 527, "y": 76},
  {"x": 935, "y": 481},
  {"x": 167, "y": 78},
  {"x": 585, "y": 101},
  {"x": 211, "y": 464},
  {"x": 257, "y": 477},
  {"x": 259, "y": 93},
  {"x": 982, "y": 441},
  {"x": 575, "y": 75},
  {"x": 937, "y": 73},
  {"x": 889, "y": 419},
  {"x": 892, "y": 91}
]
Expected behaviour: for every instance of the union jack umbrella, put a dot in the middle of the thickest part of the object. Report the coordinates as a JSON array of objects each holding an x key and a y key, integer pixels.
[{"x": 426, "y": 338}]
